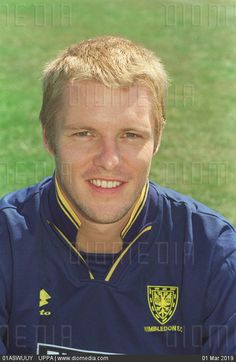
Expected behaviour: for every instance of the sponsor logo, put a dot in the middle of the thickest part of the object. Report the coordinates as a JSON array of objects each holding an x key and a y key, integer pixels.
[
  {"x": 43, "y": 300},
  {"x": 43, "y": 296}
]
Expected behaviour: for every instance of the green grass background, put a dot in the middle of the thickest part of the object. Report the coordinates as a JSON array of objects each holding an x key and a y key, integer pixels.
[{"x": 196, "y": 40}]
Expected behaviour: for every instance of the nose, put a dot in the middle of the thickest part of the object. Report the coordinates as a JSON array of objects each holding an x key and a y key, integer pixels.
[{"x": 107, "y": 156}]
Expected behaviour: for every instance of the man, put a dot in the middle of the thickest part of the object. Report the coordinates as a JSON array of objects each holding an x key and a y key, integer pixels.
[{"x": 97, "y": 258}]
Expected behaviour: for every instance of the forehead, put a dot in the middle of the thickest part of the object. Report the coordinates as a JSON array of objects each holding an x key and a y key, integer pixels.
[{"x": 93, "y": 97}]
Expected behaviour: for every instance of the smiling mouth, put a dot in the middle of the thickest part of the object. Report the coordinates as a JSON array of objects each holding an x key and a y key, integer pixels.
[{"x": 105, "y": 184}]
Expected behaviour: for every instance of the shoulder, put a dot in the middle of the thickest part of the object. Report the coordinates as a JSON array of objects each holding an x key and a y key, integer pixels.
[
  {"x": 17, "y": 199},
  {"x": 21, "y": 204},
  {"x": 182, "y": 212},
  {"x": 208, "y": 240}
]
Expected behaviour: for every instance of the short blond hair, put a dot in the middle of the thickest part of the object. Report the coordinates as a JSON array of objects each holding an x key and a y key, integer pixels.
[{"x": 113, "y": 61}]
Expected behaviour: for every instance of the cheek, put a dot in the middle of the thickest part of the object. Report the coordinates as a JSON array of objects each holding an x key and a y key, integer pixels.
[
  {"x": 145, "y": 155},
  {"x": 66, "y": 160},
  {"x": 69, "y": 152}
]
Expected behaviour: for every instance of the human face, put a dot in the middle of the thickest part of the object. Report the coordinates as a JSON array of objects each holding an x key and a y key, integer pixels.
[{"x": 104, "y": 147}]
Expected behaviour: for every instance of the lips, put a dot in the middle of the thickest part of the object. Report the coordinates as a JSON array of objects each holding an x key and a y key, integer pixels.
[{"x": 105, "y": 184}]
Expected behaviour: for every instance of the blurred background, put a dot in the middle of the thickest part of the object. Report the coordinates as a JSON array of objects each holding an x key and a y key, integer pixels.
[{"x": 196, "y": 40}]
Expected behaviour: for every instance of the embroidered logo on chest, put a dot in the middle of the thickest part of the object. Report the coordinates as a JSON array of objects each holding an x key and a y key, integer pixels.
[{"x": 162, "y": 301}]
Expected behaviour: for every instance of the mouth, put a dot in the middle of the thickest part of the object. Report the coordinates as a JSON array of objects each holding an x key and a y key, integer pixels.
[{"x": 105, "y": 185}]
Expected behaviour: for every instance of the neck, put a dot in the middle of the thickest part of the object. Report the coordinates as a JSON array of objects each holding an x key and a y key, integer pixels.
[{"x": 100, "y": 238}]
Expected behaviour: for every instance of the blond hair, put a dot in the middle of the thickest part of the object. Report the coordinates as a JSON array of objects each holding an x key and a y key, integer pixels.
[{"x": 113, "y": 61}]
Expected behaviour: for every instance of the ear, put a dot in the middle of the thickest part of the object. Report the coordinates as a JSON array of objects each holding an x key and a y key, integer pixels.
[{"x": 46, "y": 143}]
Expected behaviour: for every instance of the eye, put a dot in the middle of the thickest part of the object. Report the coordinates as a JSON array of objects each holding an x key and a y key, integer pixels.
[
  {"x": 131, "y": 135},
  {"x": 83, "y": 134}
]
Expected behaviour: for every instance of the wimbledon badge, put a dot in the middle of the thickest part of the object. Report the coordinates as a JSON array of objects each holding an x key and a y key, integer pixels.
[{"x": 162, "y": 301}]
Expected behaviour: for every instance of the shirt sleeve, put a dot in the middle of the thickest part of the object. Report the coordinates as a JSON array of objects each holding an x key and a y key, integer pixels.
[
  {"x": 219, "y": 328},
  {"x": 5, "y": 284}
]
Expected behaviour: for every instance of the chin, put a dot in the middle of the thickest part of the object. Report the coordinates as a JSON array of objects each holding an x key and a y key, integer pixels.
[
  {"x": 106, "y": 220},
  {"x": 102, "y": 217}
]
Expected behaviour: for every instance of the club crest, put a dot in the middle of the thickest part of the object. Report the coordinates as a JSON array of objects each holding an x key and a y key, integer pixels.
[{"x": 162, "y": 301}]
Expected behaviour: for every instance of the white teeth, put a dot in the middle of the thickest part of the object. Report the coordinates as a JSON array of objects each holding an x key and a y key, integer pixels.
[{"x": 105, "y": 184}]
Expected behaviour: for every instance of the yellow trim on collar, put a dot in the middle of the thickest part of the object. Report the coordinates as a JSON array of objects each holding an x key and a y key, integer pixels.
[
  {"x": 65, "y": 206},
  {"x": 65, "y": 211},
  {"x": 137, "y": 209},
  {"x": 72, "y": 246},
  {"x": 111, "y": 271}
]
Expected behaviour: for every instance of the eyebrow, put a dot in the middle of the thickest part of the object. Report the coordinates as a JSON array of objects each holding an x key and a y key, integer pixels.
[
  {"x": 75, "y": 127},
  {"x": 137, "y": 129}
]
